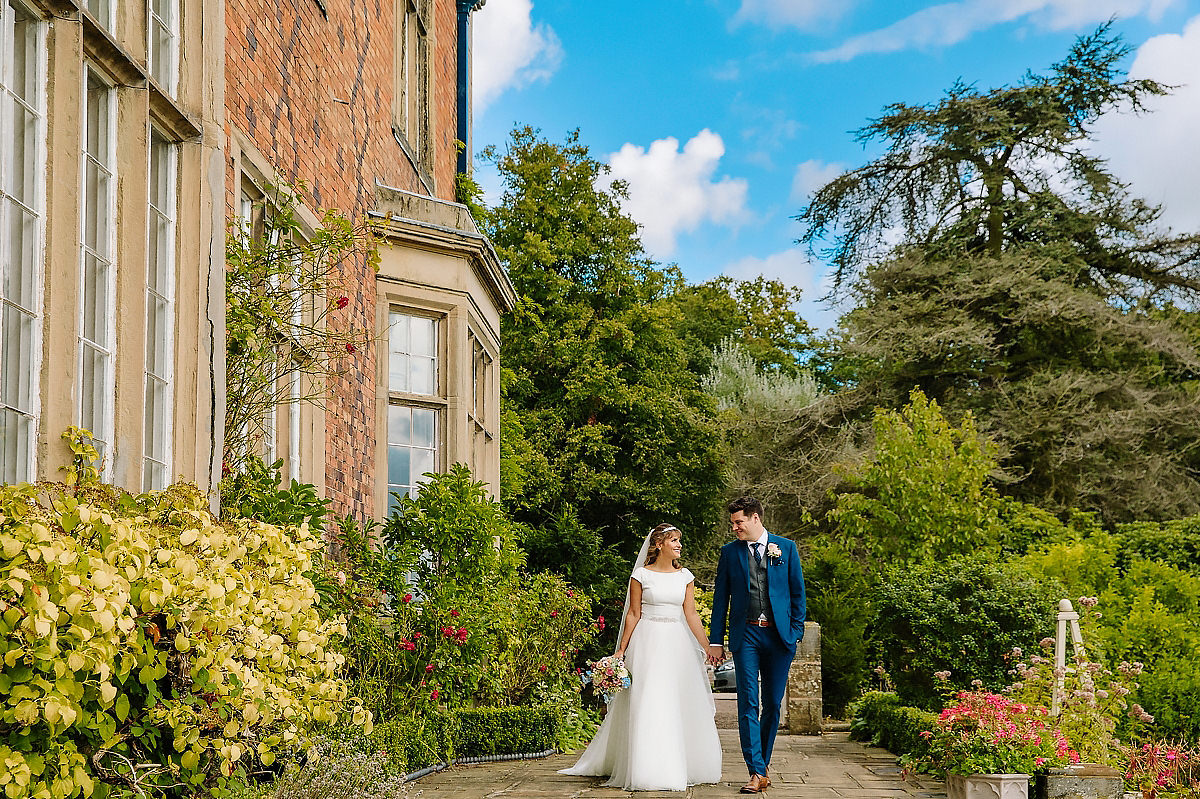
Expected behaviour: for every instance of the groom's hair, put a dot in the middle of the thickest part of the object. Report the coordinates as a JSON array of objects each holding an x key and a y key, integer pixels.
[{"x": 747, "y": 505}]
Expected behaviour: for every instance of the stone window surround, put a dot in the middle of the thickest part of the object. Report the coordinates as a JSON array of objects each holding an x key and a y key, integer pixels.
[{"x": 397, "y": 296}]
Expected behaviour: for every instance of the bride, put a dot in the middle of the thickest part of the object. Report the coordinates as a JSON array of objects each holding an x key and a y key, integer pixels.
[{"x": 659, "y": 735}]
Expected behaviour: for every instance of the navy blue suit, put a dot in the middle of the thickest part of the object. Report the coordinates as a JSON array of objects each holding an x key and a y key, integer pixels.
[{"x": 765, "y": 652}]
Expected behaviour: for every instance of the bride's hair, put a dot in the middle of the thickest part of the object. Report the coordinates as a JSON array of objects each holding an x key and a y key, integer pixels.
[{"x": 657, "y": 536}]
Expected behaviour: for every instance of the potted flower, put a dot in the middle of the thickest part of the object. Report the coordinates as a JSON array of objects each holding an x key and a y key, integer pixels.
[{"x": 988, "y": 745}]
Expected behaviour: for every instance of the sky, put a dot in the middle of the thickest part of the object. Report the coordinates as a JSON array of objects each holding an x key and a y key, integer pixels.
[{"x": 724, "y": 115}]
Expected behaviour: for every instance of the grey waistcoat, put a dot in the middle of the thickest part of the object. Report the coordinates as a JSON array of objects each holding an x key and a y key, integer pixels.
[{"x": 759, "y": 604}]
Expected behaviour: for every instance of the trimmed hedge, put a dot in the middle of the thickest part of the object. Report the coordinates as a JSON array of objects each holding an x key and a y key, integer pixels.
[
  {"x": 412, "y": 744},
  {"x": 505, "y": 730},
  {"x": 880, "y": 718}
]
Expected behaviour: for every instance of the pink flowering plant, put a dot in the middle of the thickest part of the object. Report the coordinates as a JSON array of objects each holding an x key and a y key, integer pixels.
[
  {"x": 985, "y": 733},
  {"x": 1161, "y": 769},
  {"x": 1094, "y": 701}
]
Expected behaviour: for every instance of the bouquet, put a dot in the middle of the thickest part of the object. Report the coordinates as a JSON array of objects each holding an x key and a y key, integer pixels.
[{"x": 608, "y": 676}]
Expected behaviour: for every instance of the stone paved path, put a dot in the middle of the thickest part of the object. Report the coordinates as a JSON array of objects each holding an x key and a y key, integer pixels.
[{"x": 829, "y": 766}]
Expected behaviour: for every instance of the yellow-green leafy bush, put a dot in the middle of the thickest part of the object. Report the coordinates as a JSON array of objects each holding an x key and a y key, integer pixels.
[{"x": 148, "y": 646}]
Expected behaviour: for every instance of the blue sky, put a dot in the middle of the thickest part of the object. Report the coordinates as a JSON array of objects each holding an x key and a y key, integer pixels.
[{"x": 724, "y": 114}]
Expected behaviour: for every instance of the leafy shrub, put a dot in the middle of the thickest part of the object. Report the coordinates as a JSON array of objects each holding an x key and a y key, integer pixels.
[
  {"x": 1176, "y": 542},
  {"x": 838, "y": 590},
  {"x": 440, "y": 613},
  {"x": 505, "y": 730},
  {"x": 139, "y": 629},
  {"x": 333, "y": 769},
  {"x": 879, "y": 717},
  {"x": 924, "y": 492},
  {"x": 258, "y": 492},
  {"x": 961, "y": 616},
  {"x": 1151, "y": 615},
  {"x": 414, "y": 742}
]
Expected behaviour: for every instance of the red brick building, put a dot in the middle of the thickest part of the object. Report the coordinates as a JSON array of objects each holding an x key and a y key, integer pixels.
[{"x": 363, "y": 102}]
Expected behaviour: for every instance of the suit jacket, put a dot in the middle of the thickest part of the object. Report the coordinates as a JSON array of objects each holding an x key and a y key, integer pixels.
[{"x": 731, "y": 593}]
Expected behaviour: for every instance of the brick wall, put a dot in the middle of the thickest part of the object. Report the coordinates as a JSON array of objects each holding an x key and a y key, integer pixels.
[{"x": 314, "y": 92}]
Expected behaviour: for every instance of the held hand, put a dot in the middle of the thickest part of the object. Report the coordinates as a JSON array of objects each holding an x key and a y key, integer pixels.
[
  {"x": 619, "y": 654},
  {"x": 716, "y": 654}
]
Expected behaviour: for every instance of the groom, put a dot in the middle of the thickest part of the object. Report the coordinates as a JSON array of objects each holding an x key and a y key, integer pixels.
[{"x": 760, "y": 587}]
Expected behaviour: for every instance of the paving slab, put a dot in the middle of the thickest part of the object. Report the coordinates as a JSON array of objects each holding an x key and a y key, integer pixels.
[{"x": 828, "y": 766}]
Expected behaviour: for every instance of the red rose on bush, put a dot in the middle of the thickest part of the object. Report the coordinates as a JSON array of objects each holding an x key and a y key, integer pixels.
[{"x": 342, "y": 301}]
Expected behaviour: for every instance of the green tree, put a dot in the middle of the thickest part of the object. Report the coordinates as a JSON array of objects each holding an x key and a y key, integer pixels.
[
  {"x": 923, "y": 493},
  {"x": 624, "y": 436},
  {"x": 1029, "y": 289},
  {"x": 758, "y": 410},
  {"x": 989, "y": 171},
  {"x": 759, "y": 314}
]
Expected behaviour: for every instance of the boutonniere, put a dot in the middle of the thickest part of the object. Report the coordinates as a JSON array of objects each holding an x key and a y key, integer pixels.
[{"x": 773, "y": 551}]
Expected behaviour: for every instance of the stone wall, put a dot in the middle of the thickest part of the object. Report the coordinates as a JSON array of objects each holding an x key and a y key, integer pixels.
[{"x": 803, "y": 710}]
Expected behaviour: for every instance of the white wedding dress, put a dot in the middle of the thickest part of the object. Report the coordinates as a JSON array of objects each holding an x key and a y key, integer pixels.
[{"x": 659, "y": 734}]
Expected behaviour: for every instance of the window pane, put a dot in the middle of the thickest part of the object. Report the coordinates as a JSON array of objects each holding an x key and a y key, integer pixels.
[
  {"x": 422, "y": 462},
  {"x": 398, "y": 465},
  {"x": 16, "y": 330},
  {"x": 101, "y": 10},
  {"x": 423, "y": 421},
  {"x": 398, "y": 334},
  {"x": 97, "y": 118},
  {"x": 98, "y": 188},
  {"x": 423, "y": 338},
  {"x": 153, "y": 419},
  {"x": 154, "y": 476},
  {"x": 398, "y": 372},
  {"x": 421, "y": 376},
  {"x": 399, "y": 425},
  {"x": 21, "y": 181},
  {"x": 95, "y": 300},
  {"x": 16, "y": 438},
  {"x": 20, "y": 265},
  {"x": 24, "y": 54},
  {"x": 92, "y": 391}
]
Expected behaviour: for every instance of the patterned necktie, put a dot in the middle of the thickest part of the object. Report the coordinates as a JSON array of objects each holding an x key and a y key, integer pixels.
[{"x": 757, "y": 554}]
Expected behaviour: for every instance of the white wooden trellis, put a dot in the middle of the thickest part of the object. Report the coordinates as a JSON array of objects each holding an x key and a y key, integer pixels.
[{"x": 1067, "y": 617}]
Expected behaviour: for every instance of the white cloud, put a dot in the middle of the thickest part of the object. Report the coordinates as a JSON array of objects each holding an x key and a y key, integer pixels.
[
  {"x": 509, "y": 51},
  {"x": 802, "y": 14},
  {"x": 1157, "y": 152},
  {"x": 949, "y": 23},
  {"x": 673, "y": 191},
  {"x": 792, "y": 268},
  {"x": 812, "y": 175}
]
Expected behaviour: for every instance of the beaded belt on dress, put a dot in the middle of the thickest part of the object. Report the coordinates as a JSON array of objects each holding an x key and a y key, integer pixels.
[{"x": 661, "y": 618}]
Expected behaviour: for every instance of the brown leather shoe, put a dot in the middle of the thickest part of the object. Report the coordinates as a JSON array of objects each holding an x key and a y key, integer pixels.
[
  {"x": 766, "y": 781},
  {"x": 755, "y": 785}
]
